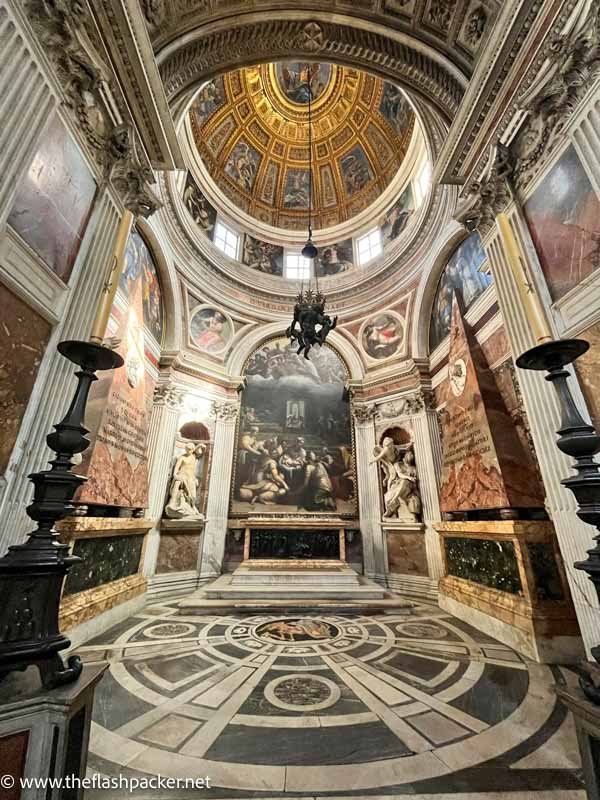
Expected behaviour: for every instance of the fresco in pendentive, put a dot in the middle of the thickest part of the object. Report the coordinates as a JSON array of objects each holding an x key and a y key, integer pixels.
[
  {"x": 140, "y": 263},
  {"x": 295, "y": 441},
  {"x": 209, "y": 99},
  {"x": 201, "y": 211},
  {"x": 356, "y": 170},
  {"x": 210, "y": 330},
  {"x": 295, "y": 77},
  {"x": 263, "y": 256},
  {"x": 297, "y": 188},
  {"x": 463, "y": 276},
  {"x": 54, "y": 201},
  {"x": 334, "y": 258},
  {"x": 563, "y": 215},
  {"x": 242, "y": 165},
  {"x": 397, "y": 217},
  {"x": 395, "y": 108},
  {"x": 383, "y": 336}
]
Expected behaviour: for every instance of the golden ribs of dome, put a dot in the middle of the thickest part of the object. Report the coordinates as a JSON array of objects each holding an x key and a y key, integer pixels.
[{"x": 251, "y": 130}]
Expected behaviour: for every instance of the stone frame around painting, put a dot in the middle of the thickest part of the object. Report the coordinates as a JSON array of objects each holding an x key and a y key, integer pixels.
[
  {"x": 295, "y": 517},
  {"x": 402, "y": 350}
]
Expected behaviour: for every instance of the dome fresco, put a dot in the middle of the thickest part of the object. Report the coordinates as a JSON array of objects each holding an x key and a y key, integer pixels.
[{"x": 250, "y": 128}]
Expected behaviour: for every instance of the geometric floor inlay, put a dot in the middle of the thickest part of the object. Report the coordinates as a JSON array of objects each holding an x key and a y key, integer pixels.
[{"x": 413, "y": 703}]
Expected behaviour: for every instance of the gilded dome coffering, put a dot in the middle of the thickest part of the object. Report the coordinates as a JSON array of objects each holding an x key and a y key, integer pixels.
[{"x": 251, "y": 131}]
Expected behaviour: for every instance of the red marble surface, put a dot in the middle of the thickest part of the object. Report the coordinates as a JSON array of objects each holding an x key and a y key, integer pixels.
[
  {"x": 116, "y": 463},
  {"x": 24, "y": 337},
  {"x": 13, "y": 752},
  {"x": 485, "y": 466}
]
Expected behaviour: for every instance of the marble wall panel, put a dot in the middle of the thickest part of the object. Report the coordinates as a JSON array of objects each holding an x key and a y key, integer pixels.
[
  {"x": 406, "y": 553},
  {"x": 178, "y": 552},
  {"x": 105, "y": 559},
  {"x": 24, "y": 337}
]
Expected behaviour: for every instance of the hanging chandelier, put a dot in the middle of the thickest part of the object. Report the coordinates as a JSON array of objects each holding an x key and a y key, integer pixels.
[{"x": 311, "y": 324}]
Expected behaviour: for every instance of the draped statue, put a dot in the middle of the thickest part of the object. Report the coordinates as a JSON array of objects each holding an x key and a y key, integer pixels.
[
  {"x": 402, "y": 498},
  {"x": 183, "y": 492}
]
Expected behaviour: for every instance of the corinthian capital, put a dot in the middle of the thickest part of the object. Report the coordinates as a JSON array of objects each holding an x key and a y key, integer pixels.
[
  {"x": 225, "y": 411},
  {"x": 165, "y": 394},
  {"x": 363, "y": 413}
]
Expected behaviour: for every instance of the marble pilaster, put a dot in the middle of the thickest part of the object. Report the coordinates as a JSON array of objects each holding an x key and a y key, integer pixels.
[
  {"x": 368, "y": 491},
  {"x": 543, "y": 413},
  {"x": 161, "y": 442},
  {"x": 428, "y": 456},
  {"x": 219, "y": 488}
]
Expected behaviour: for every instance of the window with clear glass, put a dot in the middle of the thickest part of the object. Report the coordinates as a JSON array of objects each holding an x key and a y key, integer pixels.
[
  {"x": 297, "y": 268},
  {"x": 226, "y": 240},
  {"x": 369, "y": 247}
]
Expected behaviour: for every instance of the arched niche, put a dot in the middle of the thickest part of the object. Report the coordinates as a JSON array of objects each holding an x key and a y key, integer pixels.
[
  {"x": 194, "y": 432},
  {"x": 295, "y": 446},
  {"x": 400, "y": 436}
]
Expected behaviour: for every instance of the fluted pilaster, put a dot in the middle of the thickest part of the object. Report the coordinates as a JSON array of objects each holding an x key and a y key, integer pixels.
[
  {"x": 219, "y": 488},
  {"x": 368, "y": 491},
  {"x": 428, "y": 457},
  {"x": 161, "y": 443}
]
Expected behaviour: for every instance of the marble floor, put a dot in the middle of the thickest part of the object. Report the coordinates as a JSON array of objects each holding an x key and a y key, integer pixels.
[{"x": 413, "y": 702}]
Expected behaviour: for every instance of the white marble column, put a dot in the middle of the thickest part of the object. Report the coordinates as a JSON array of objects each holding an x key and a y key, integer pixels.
[
  {"x": 219, "y": 489},
  {"x": 428, "y": 457},
  {"x": 161, "y": 444},
  {"x": 574, "y": 537},
  {"x": 57, "y": 375},
  {"x": 26, "y": 102},
  {"x": 369, "y": 501}
]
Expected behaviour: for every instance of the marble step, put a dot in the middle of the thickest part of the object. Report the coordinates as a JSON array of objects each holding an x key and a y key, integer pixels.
[
  {"x": 280, "y": 577},
  {"x": 223, "y": 588}
]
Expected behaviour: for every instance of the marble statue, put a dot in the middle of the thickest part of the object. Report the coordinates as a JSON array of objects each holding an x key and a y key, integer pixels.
[
  {"x": 183, "y": 491},
  {"x": 402, "y": 497}
]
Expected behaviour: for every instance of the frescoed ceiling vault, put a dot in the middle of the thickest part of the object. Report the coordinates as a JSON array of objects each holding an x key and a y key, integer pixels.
[{"x": 250, "y": 127}]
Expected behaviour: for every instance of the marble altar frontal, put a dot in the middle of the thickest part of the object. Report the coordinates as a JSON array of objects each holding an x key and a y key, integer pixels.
[{"x": 484, "y": 465}]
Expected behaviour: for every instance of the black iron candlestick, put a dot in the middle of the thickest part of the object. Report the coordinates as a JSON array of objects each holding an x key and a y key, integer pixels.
[
  {"x": 580, "y": 441},
  {"x": 32, "y": 573}
]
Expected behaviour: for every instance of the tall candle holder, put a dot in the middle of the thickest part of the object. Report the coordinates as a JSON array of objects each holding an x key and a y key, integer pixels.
[
  {"x": 32, "y": 573},
  {"x": 580, "y": 441}
]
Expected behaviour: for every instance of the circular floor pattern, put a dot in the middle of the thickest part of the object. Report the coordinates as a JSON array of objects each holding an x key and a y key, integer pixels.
[{"x": 322, "y": 703}]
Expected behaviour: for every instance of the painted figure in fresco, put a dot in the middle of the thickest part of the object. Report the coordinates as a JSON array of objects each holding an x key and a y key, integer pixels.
[
  {"x": 270, "y": 485},
  {"x": 356, "y": 171},
  {"x": 333, "y": 259},
  {"x": 184, "y": 484},
  {"x": 303, "y": 81},
  {"x": 208, "y": 328},
  {"x": 199, "y": 208},
  {"x": 296, "y": 189},
  {"x": 383, "y": 336},
  {"x": 317, "y": 494},
  {"x": 395, "y": 108},
  {"x": 210, "y": 97},
  {"x": 402, "y": 498},
  {"x": 250, "y": 452},
  {"x": 263, "y": 256},
  {"x": 242, "y": 165},
  {"x": 314, "y": 326}
]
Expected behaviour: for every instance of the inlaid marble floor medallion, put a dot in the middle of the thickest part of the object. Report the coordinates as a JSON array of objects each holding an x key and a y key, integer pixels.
[{"x": 407, "y": 703}]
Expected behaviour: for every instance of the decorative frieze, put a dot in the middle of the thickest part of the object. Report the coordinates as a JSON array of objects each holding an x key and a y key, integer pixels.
[
  {"x": 491, "y": 194},
  {"x": 405, "y": 406},
  {"x": 225, "y": 411}
]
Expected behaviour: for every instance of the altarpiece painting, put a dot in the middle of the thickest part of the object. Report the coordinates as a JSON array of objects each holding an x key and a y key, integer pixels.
[{"x": 295, "y": 453}]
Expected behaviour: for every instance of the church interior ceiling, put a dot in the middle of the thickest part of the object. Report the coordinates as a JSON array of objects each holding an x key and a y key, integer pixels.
[{"x": 250, "y": 127}]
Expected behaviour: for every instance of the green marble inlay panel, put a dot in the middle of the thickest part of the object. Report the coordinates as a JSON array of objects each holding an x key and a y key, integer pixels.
[
  {"x": 548, "y": 584},
  {"x": 105, "y": 559},
  {"x": 491, "y": 563}
]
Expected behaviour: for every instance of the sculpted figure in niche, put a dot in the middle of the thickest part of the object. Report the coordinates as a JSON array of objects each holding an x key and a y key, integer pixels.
[
  {"x": 402, "y": 497},
  {"x": 184, "y": 484}
]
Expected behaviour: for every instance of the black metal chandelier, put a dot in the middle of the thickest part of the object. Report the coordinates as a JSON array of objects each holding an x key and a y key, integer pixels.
[{"x": 311, "y": 324}]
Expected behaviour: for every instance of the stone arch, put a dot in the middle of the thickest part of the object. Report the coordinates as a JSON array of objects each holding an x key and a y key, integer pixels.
[
  {"x": 260, "y": 335},
  {"x": 220, "y": 46}
]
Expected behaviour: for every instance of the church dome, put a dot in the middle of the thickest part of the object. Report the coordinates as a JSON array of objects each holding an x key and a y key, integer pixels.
[{"x": 250, "y": 129}]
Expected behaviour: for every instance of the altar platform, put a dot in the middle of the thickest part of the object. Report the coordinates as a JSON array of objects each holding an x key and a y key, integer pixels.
[{"x": 265, "y": 585}]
